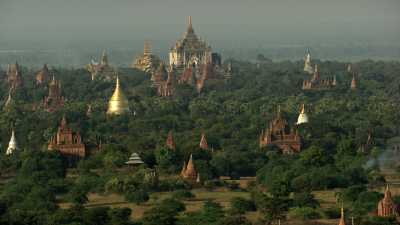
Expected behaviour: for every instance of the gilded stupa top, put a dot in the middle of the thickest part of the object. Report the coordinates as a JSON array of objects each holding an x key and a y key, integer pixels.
[{"x": 118, "y": 103}]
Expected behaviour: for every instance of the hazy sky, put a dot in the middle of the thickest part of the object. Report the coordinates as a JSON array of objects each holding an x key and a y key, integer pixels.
[{"x": 280, "y": 22}]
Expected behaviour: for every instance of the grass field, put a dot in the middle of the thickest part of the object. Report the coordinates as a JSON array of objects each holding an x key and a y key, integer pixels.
[{"x": 223, "y": 196}]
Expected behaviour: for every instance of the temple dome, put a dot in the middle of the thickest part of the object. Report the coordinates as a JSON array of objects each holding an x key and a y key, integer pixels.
[
  {"x": 118, "y": 103},
  {"x": 303, "y": 118}
]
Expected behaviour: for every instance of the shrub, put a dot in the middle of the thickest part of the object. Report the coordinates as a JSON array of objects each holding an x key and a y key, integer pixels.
[
  {"x": 303, "y": 213},
  {"x": 137, "y": 197},
  {"x": 241, "y": 205},
  {"x": 183, "y": 194}
]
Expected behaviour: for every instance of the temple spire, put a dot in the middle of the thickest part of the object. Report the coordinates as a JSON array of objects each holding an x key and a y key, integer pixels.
[
  {"x": 303, "y": 118},
  {"x": 147, "y": 48},
  {"x": 342, "y": 220},
  {"x": 203, "y": 142},
  {"x": 118, "y": 103},
  {"x": 12, "y": 145},
  {"x": 353, "y": 85}
]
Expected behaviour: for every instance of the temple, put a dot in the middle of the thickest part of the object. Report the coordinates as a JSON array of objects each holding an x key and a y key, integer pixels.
[
  {"x": 190, "y": 50},
  {"x": 67, "y": 143},
  {"x": 191, "y": 62},
  {"x": 278, "y": 133},
  {"x": 43, "y": 75},
  {"x": 54, "y": 101},
  {"x": 12, "y": 145},
  {"x": 165, "y": 86},
  {"x": 203, "y": 142},
  {"x": 118, "y": 103},
  {"x": 14, "y": 77},
  {"x": 101, "y": 68},
  {"x": 317, "y": 83},
  {"x": 307, "y": 64},
  {"x": 188, "y": 171},
  {"x": 170, "y": 143},
  {"x": 147, "y": 62},
  {"x": 387, "y": 207},
  {"x": 303, "y": 118}
]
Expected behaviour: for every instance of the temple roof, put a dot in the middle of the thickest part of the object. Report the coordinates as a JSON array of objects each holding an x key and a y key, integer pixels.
[{"x": 134, "y": 159}]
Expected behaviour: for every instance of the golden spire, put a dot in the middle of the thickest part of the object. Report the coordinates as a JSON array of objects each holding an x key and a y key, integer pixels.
[
  {"x": 190, "y": 26},
  {"x": 118, "y": 103},
  {"x": 342, "y": 221}
]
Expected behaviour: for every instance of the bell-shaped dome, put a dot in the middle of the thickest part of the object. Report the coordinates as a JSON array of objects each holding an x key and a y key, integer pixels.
[
  {"x": 118, "y": 103},
  {"x": 303, "y": 118}
]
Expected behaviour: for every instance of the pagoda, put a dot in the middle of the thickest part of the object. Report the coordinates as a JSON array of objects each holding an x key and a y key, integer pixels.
[
  {"x": 66, "y": 142},
  {"x": 100, "y": 68},
  {"x": 54, "y": 101},
  {"x": 134, "y": 160},
  {"x": 278, "y": 133},
  {"x": 188, "y": 171},
  {"x": 12, "y": 145},
  {"x": 43, "y": 75},
  {"x": 317, "y": 83},
  {"x": 303, "y": 118},
  {"x": 387, "y": 207},
  {"x": 307, "y": 64},
  {"x": 170, "y": 143},
  {"x": 147, "y": 62},
  {"x": 14, "y": 77},
  {"x": 203, "y": 142},
  {"x": 118, "y": 103}
]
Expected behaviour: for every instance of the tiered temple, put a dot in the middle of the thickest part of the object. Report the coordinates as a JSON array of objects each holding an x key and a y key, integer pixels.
[
  {"x": 118, "y": 103},
  {"x": 387, "y": 207},
  {"x": 317, "y": 83},
  {"x": 101, "y": 68},
  {"x": 189, "y": 172},
  {"x": 54, "y": 101},
  {"x": 66, "y": 142},
  {"x": 43, "y": 75},
  {"x": 191, "y": 62},
  {"x": 14, "y": 76},
  {"x": 147, "y": 62},
  {"x": 278, "y": 133}
]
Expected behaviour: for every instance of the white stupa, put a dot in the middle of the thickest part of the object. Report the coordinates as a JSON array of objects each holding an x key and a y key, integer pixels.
[
  {"x": 307, "y": 64},
  {"x": 12, "y": 145},
  {"x": 303, "y": 118}
]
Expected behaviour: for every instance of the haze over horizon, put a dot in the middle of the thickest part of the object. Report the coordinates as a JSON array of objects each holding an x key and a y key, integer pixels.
[{"x": 226, "y": 25}]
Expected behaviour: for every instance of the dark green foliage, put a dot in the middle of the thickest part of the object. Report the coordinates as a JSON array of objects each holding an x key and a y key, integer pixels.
[
  {"x": 138, "y": 197},
  {"x": 241, "y": 205}
]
